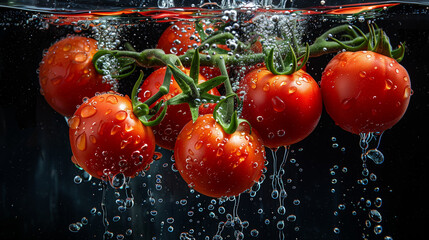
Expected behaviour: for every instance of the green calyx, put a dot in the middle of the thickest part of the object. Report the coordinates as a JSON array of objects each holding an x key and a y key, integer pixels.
[
  {"x": 289, "y": 64},
  {"x": 230, "y": 124},
  {"x": 379, "y": 42},
  {"x": 353, "y": 39}
]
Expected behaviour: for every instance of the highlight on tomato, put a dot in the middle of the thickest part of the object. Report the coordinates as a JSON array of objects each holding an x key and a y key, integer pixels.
[
  {"x": 215, "y": 163},
  {"x": 365, "y": 91},
  {"x": 107, "y": 139},
  {"x": 284, "y": 109},
  {"x": 67, "y": 75},
  {"x": 177, "y": 116}
]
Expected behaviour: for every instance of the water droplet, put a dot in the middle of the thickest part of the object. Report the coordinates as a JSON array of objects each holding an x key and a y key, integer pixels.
[
  {"x": 389, "y": 84},
  {"x": 67, "y": 47},
  {"x": 88, "y": 111},
  {"x": 74, "y": 227},
  {"x": 281, "y": 210},
  {"x": 292, "y": 90},
  {"x": 81, "y": 142},
  {"x": 280, "y": 225},
  {"x": 375, "y": 215},
  {"x": 118, "y": 181},
  {"x": 291, "y": 218},
  {"x": 112, "y": 99},
  {"x": 336, "y": 230},
  {"x": 407, "y": 92},
  {"x": 80, "y": 57},
  {"x": 116, "y": 218},
  {"x": 375, "y": 155},
  {"x": 254, "y": 233},
  {"x": 277, "y": 104},
  {"x": 74, "y": 122},
  {"x": 266, "y": 87},
  {"x": 121, "y": 115},
  {"x": 115, "y": 129},
  {"x": 378, "y": 229},
  {"x": 77, "y": 179}
]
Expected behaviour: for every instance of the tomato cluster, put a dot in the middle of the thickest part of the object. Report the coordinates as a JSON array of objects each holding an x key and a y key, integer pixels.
[{"x": 362, "y": 91}]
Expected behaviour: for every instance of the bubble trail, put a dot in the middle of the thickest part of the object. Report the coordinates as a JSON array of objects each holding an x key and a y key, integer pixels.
[
  {"x": 279, "y": 191},
  {"x": 106, "y": 234}
]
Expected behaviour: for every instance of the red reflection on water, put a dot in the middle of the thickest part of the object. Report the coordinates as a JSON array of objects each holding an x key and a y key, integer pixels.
[{"x": 161, "y": 15}]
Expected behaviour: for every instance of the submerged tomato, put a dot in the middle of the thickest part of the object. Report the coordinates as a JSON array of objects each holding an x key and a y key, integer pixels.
[
  {"x": 67, "y": 75},
  {"x": 284, "y": 109},
  {"x": 215, "y": 163},
  {"x": 106, "y": 138},
  {"x": 178, "y": 38},
  {"x": 365, "y": 91},
  {"x": 177, "y": 115}
]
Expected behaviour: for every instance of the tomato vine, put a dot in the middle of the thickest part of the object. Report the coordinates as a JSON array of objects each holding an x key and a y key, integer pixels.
[{"x": 337, "y": 39}]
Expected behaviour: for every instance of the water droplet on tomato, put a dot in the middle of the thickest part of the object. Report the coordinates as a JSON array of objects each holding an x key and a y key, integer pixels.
[
  {"x": 147, "y": 94},
  {"x": 266, "y": 87},
  {"x": 389, "y": 84},
  {"x": 88, "y": 111},
  {"x": 278, "y": 104},
  {"x": 198, "y": 145},
  {"x": 362, "y": 74},
  {"x": 115, "y": 129},
  {"x": 406, "y": 79},
  {"x": 74, "y": 122},
  {"x": 93, "y": 139},
  {"x": 253, "y": 85},
  {"x": 219, "y": 152},
  {"x": 81, "y": 142},
  {"x": 67, "y": 47},
  {"x": 259, "y": 118},
  {"x": 80, "y": 57},
  {"x": 292, "y": 89},
  {"x": 407, "y": 92},
  {"x": 112, "y": 99},
  {"x": 121, "y": 115}
]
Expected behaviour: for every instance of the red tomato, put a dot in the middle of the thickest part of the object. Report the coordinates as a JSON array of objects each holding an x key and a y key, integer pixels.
[
  {"x": 284, "y": 109},
  {"x": 177, "y": 115},
  {"x": 178, "y": 38},
  {"x": 67, "y": 75},
  {"x": 215, "y": 163},
  {"x": 365, "y": 91},
  {"x": 182, "y": 36},
  {"x": 106, "y": 137}
]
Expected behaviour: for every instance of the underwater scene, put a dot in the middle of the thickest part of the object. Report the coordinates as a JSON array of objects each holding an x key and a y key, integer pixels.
[{"x": 214, "y": 120}]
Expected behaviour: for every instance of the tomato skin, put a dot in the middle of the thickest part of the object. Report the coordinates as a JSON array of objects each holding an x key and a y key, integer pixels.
[
  {"x": 215, "y": 163},
  {"x": 177, "y": 116},
  {"x": 67, "y": 75},
  {"x": 106, "y": 138},
  {"x": 284, "y": 109},
  {"x": 365, "y": 91},
  {"x": 176, "y": 39}
]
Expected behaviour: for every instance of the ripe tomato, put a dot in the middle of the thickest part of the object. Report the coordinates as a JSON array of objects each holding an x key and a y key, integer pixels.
[
  {"x": 215, "y": 163},
  {"x": 365, "y": 91},
  {"x": 178, "y": 38},
  {"x": 106, "y": 137},
  {"x": 177, "y": 115},
  {"x": 182, "y": 36},
  {"x": 67, "y": 75},
  {"x": 284, "y": 109}
]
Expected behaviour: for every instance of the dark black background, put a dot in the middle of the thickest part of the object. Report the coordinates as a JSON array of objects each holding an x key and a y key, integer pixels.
[{"x": 39, "y": 199}]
